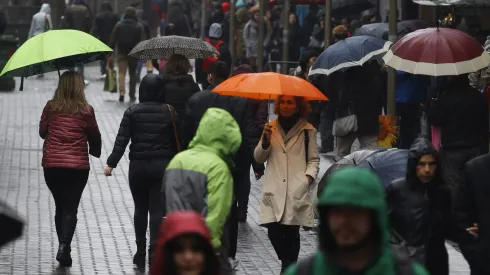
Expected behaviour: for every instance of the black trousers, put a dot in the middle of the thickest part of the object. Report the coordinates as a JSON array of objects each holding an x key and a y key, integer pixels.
[
  {"x": 66, "y": 186},
  {"x": 286, "y": 242},
  {"x": 409, "y": 123},
  {"x": 145, "y": 181}
]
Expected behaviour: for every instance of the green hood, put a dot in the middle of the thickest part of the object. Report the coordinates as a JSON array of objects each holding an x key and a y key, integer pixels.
[
  {"x": 359, "y": 187},
  {"x": 219, "y": 132}
]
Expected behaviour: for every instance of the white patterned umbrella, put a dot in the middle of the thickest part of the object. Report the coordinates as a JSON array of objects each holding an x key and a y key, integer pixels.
[{"x": 164, "y": 47}]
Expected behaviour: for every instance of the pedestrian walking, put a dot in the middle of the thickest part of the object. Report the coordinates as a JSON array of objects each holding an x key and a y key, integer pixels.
[
  {"x": 461, "y": 113},
  {"x": 184, "y": 246},
  {"x": 288, "y": 144},
  {"x": 70, "y": 132},
  {"x": 125, "y": 36},
  {"x": 178, "y": 82},
  {"x": 104, "y": 23},
  {"x": 152, "y": 127},
  {"x": 41, "y": 22},
  {"x": 250, "y": 119},
  {"x": 78, "y": 16},
  {"x": 419, "y": 209},
  {"x": 471, "y": 215},
  {"x": 200, "y": 178},
  {"x": 354, "y": 231}
]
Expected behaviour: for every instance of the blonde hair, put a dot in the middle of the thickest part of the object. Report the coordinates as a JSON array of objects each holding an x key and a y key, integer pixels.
[{"x": 69, "y": 97}]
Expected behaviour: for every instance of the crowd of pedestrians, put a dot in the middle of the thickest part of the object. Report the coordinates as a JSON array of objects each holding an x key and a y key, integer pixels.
[{"x": 192, "y": 150}]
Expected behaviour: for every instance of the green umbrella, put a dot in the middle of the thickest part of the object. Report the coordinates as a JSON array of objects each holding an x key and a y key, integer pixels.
[{"x": 54, "y": 51}]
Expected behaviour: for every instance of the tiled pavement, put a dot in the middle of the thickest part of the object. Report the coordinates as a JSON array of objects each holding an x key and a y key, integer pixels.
[{"x": 104, "y": 240}]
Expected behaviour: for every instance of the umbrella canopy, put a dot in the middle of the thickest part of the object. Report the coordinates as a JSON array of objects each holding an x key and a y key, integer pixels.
[
  {"x": 469, "y": 3},
  {"x": 350, "y": 160},
  {"x": 268, "y": 85},
  {"x": 53, "y": 51},
  {"x": 389, "y": 165},
  {"x": 380, "y": 30},
  {"x": 350, "y": 52},
  {"x": 437, "y": 52},
  {"x": 12, "y": 224},
  {"x": 164, "y": 47}
]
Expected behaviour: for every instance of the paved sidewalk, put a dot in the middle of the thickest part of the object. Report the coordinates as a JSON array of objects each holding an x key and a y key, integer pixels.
[{"x": 104, "y": 240}]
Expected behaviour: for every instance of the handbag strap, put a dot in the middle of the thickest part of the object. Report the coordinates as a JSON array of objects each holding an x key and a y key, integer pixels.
[{"x": 176, "y": 136}]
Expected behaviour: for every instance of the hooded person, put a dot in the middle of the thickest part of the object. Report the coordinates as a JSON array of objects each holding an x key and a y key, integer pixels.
[
  {"x": 184, "y": 243},
  {"x": 354, "y": 232},
  {"x": 41, "y": 21},
  {"x": 419, "y": 209},
  {"x": 200, "y": 178},
  {"x": 78, "y": 16},
  {"x": 151, "y": 127}
]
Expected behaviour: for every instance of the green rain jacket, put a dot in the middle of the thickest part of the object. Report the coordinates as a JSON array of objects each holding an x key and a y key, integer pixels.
[
  {"x": 359, "y": 187},
  {"x": 199, "y": 178}
]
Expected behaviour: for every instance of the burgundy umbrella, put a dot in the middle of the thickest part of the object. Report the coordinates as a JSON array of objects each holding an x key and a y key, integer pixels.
[{"x": 436, "y": 52}]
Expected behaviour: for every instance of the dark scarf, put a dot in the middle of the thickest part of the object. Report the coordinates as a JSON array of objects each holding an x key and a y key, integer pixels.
[{"x": 288, "y": 122}]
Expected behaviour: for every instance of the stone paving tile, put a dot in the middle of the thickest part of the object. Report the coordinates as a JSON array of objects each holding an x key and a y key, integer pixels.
[{"x": 104, "y": 240}]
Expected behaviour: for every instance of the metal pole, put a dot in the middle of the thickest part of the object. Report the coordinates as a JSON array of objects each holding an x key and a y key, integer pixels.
[
  {"x": 260, "y": 51},
  {"x": 391, "y": 97},
  {"x": 231, "y": 43},
  {"x": 328, "y": 23},
  {"x": 116, "y": 8},
  {"x": 285, "y": 37},
  {"x": 204, "y": 19}
]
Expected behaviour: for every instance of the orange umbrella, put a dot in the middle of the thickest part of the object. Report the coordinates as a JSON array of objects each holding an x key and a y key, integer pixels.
[{"x": 268, "y": 86}]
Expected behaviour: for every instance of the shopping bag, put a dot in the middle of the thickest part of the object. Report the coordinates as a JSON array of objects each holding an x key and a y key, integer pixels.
[
  {"x": 110, "y": 81},
  {"x": 436, "y": 137},
  {"x": 388, "y": 131}
]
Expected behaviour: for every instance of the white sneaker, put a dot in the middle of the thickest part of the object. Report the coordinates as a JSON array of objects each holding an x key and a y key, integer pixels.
[{"x": 234, "y": 263}]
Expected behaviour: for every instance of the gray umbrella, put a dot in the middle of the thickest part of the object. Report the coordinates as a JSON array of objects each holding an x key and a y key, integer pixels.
[
  {"x": 164, "y": 47},
  {"x": 352, "y": 159},
  {"x": 12, "y": 224}
]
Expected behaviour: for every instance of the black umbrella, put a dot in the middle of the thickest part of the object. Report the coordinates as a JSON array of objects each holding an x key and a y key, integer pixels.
[
  {"x": 352, "y": 159},
  {"x": 389, "y": 165},
  {"x": 342, "y": 8},
  {"x": 12, "y": 224}
]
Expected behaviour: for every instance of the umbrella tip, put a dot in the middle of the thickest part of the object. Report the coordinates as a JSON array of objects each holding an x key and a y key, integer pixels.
[{"x": 21, "y": 88}]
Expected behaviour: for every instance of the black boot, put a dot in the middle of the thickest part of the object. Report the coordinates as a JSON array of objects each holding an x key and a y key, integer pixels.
[
  {"x": 242, "y": 212},
  {"x": 63, "y": 256},
  {"x": 139, "y": 259}
]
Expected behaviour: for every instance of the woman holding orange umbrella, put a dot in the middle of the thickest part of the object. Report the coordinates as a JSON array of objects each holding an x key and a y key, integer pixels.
[{"x": 288, "y": 144}]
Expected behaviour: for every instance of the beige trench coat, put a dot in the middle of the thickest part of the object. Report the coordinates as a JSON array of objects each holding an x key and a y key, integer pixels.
[{"x": 286, "y": 196}]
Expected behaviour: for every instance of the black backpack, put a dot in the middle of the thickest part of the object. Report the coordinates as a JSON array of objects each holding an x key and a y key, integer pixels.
[{"x": 404, "y": 265}]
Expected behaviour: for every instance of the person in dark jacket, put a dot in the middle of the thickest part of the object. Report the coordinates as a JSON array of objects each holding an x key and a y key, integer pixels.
[
  {"x": 419, "y": 208},
  {"x": 462, "y": 115},
  {"x": 178, "y": 83},
  {"x": 125, "y": 36},
  {"x": 179, "y": 18},
  {"x": 102, "y": 28},
  {"x": 471, "y": 215},
  {"x": 249, "y": 115},
  {"x": 362, "y": 94},
  {"x": 70, "y": 132},
  {"x": 78, "y": 17},
  {"x": 150, "y": 126}
]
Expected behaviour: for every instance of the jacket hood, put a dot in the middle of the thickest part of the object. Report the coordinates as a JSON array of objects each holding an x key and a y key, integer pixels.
[
  {"x": 105, "y": 7},
  {"x": 359, "y": 187},
  {"x": 151, "y": 88},
  {"x": 130, "y": 13},
  {"x": 219, "y": 131},
  {"x": 46, "y": 8},
  {"x": 421, "y": 146},
  {"x": 177, "y": 224}
]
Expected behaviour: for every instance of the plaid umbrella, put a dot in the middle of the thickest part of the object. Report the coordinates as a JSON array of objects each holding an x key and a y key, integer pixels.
[{"x": 164, "y": 47}]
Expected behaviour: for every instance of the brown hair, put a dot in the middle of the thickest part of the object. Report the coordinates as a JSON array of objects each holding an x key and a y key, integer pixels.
[
  {"x": 178, "y": 65},
  {"x": 69, "y": 97},
  {"x": 304, "y": 108}
]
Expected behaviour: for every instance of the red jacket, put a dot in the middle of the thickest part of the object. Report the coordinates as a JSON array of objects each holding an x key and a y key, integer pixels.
[
  {"x": 66, "y": 137},
  {"x": 177, "y": 224}
]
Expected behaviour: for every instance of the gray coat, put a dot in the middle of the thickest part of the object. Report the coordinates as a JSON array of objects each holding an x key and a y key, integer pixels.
[
  {"x": 41, "y": 21},
  {"x": 251, "y": 38}
]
